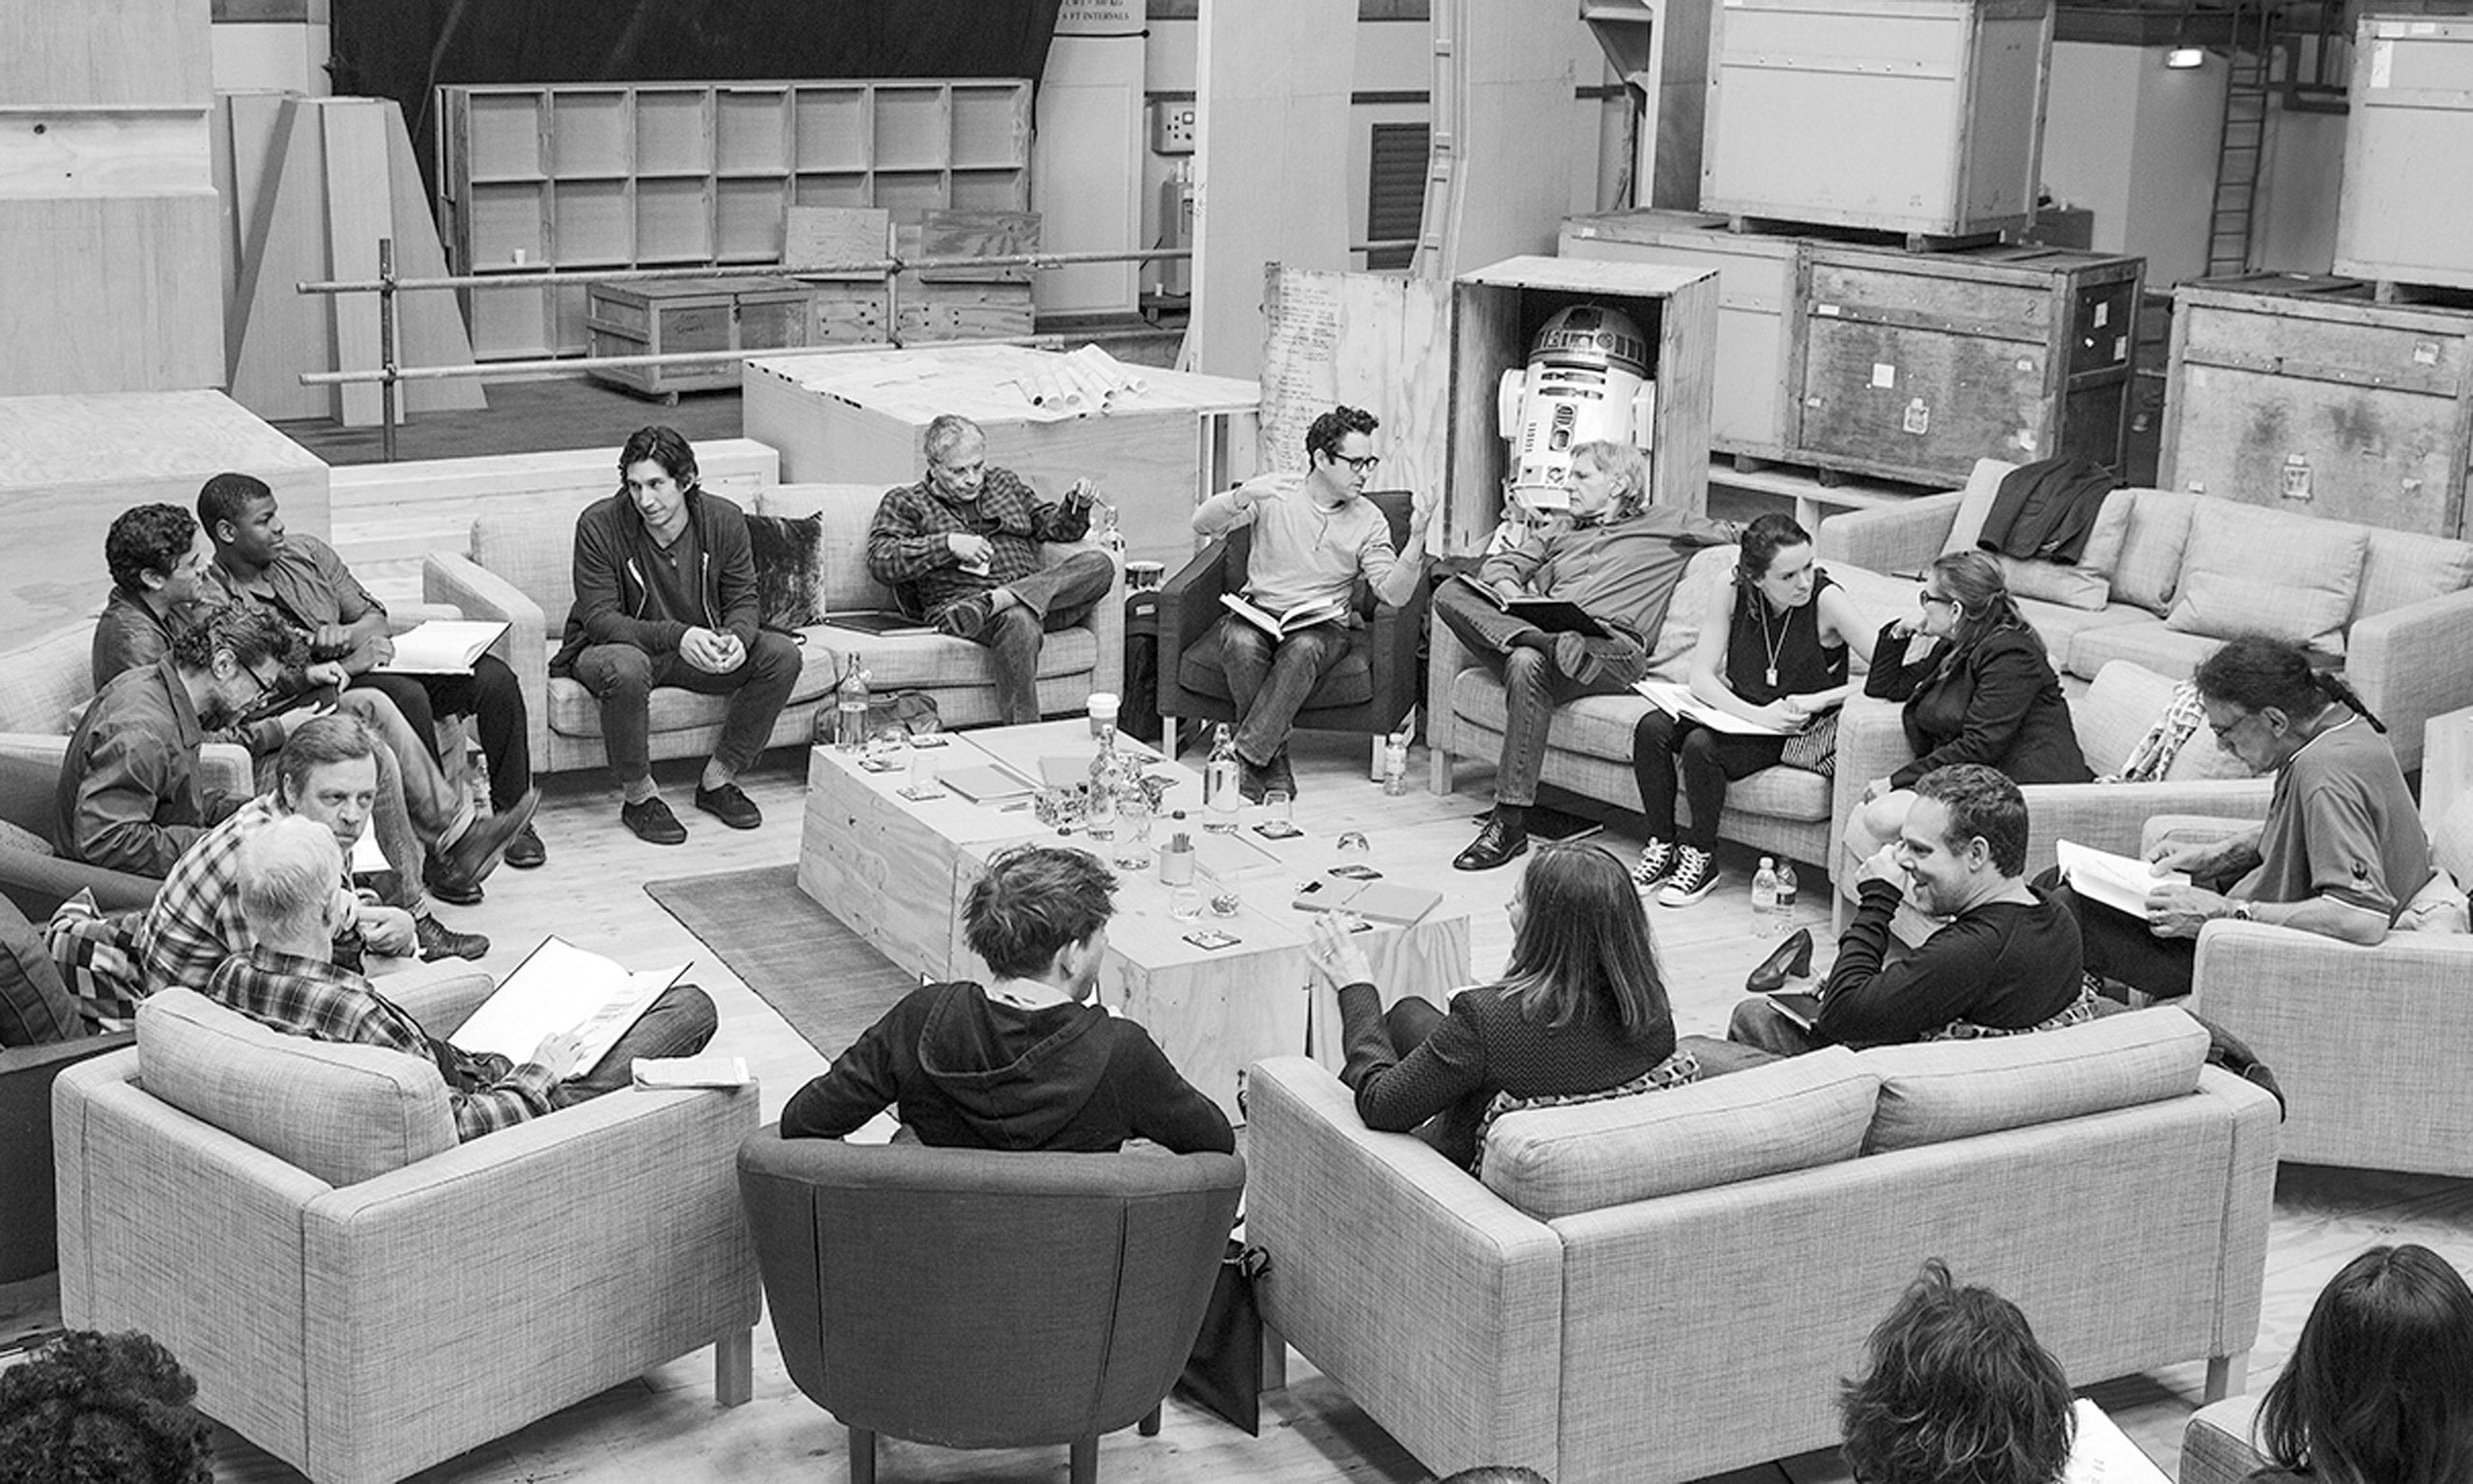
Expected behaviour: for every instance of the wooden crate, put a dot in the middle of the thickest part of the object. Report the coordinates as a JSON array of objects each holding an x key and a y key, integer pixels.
[
  {"x": 1496, "y": 313},
  {"x": 1915, "y": 116},
  {"x": 935, "y": 233},
  {"x": 2332, "y": 407},
  {"x": 2411, "y": 127},
  {"x": 1918, "y": 365},
  {"x": 1753, "y": 409},
  {"x": 674, "y": 316},
  {"x": 925, "y": 312},
  {"x": 847, "y": 314}
]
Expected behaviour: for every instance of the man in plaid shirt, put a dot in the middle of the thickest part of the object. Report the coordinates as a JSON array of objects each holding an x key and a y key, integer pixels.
[{"x": 961, "y": 549}]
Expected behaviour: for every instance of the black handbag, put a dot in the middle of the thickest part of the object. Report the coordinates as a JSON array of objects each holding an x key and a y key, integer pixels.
[{"x": 1224, "y": 1372}]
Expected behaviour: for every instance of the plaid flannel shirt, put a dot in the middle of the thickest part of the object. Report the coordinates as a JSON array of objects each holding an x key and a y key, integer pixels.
[
  {"x": 304, "y": 997},
  {"x": 196, "y": 923},
  {"x": 906, "y": 550}
]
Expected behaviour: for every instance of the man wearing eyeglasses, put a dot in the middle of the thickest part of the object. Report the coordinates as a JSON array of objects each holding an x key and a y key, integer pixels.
[
  {"x": 960, "y": 550},
  {"x": 1314, "y": 535},
  {"x": 128, "y": 797}
]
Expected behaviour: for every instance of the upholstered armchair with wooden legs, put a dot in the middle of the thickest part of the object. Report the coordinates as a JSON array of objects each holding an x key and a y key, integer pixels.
[
  {"x": 976, "y": 1299},
  {"x": 1370, "y": 690}
]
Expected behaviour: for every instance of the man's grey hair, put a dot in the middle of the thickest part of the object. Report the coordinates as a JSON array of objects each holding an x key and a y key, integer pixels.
[
  {"x": 948, "y": 432},
  {"x": 290, "y": 868}
]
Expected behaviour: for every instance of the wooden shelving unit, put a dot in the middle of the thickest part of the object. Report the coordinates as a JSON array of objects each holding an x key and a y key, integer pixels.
[{"x": 693, "y": 174}]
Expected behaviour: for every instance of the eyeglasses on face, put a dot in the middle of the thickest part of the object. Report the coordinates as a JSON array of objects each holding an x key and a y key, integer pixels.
[
  {"x": 2224, "y": 733},
  {"x": 1364, "y": 466},
  {"x": 1930, "y": 599}
]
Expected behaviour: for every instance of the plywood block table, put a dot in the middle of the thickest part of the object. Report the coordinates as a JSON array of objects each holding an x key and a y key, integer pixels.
[
  {"x": 859, "y": 417},
  {"x": 897, "y": 871},
  {"x": 70, "y": 464}
]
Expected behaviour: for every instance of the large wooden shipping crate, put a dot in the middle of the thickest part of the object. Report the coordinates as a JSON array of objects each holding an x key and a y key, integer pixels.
[
  {"x": 2359, "y": 412},
  {"x": 675, "y": 316},
  {"x": 1752, "y": 404},
  {"x": 1914, "y": 365},
  {"x": 1496, "y": 314},
  {"x": 1918, "y": 116},
  {"x": 2404, "y": 212}
]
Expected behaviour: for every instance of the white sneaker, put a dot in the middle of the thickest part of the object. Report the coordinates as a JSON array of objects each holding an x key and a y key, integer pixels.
[
  {"x": 1695, "y": 875},
  {"x": 1656, "y": 863}
]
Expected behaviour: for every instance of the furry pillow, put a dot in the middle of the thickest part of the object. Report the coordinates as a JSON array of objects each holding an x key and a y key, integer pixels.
[{"x": 786, "y": 586}]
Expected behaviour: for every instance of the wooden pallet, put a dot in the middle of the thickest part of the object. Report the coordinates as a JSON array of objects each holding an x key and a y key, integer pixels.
[{"x": 1861, "y": 237}]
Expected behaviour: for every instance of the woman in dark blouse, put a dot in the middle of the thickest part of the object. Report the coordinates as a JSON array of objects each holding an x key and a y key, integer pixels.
[
  {"x": 1983, "y": 692},
  {"x": 2380, "y": 1389},
  {"x": 1580, "y": 1009}
]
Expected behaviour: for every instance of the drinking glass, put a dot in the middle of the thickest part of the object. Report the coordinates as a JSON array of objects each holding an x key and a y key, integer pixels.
[
  {"x": 1278, "y": 813},
  {"x": 1134, "y": 832},
  {"x": 1185, "y": 902},
  {"x": 1354, "y": 849}
]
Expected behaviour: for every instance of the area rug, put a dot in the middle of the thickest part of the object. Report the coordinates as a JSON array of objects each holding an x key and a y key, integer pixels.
[{"x": 826, "y": 981}]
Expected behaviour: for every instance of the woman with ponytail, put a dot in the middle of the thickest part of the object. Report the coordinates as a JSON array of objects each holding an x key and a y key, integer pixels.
[
  {"x": 1983, "y": 691},
  {"x": 2341, "y": 851}
]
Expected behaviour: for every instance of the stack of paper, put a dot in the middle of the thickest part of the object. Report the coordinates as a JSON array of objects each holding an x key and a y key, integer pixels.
[
  {"x": 561, "y": 989},
  {"x": 442, "y": 646},
  {"x": 2116, "y": 881}
]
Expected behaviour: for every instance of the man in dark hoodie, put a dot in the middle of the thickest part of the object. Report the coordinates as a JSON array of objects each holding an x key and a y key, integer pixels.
[
  {"x": 1026, "y": 1062},
  {"x": 665, "y": 594}
]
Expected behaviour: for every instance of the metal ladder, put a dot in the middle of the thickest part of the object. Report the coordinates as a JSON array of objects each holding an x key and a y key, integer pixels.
[
  {"x": 1436, "y": 225},
  {"x": 2241, "y": 153}
]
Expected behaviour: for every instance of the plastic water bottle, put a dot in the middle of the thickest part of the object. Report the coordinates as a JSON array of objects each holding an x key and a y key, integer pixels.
[
  {"x": 1785, "y": 915},
  {"x": 850, "y": 709},
  {"x": 1395, "y": 763},
  {"x": 1764, "y": 897},
  {"x": 1221, "y": 799}
]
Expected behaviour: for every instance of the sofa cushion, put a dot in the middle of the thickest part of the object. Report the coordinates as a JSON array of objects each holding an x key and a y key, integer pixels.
[
  {"x": 1349, "y": 682},
  {"x": 2059, "y": 625},
  {"x": 1948, "y": 1090},
  {"x": 2146, "y": 643},
  {"x": 2151, "y": 549},
  {"x": 538, "y": 556},
  {"x": 1709, "y": 569},
  {"x": 785, "y": 552},
  {"x": 35, "y": 1007},
  {"x": 1974, "y": 503},
  {"x": 1789, "y": 1115},
  {"x": 843, "y": 514},
  {"x": 22, "y": 839},
  {"x": 2122, "y": 706},
  {"x": 2254, "y": 570},
  {"x": 341, "y": 1112},
  {"x": 43, "y": 684},
  {"x": 1601, "y": 727},
  {"x": 2084, "y": 584},
  {"x": 2404, "y": 567}
]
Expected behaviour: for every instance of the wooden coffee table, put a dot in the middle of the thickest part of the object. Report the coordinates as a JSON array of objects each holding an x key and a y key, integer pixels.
[{"x": 896, "y": 871}]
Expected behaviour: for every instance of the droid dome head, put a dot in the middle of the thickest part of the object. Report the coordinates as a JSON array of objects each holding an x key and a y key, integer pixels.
[{"x": 1594, "y": 336}]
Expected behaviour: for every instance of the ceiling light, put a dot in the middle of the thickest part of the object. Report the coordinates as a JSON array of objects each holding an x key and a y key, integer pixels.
[{"x": 2183, "y": 57}]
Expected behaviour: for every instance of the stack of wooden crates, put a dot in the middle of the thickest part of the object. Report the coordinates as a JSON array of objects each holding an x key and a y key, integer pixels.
[{"x": 2352, "y": 397}]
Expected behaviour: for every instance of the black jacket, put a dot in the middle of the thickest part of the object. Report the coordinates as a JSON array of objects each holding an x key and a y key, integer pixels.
[
  {"x": 973, "y": 1072},
  {"x": 613, "y": 602},
  {"x": 2001, "y": 706}
]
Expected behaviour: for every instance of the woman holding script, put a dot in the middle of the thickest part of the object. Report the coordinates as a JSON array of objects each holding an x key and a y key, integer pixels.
[
  {"x": 1773, "y": 654},
  {"x": 1580, "y": 1011}
]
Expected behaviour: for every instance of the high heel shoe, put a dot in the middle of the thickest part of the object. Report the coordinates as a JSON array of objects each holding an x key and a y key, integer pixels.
[{"x": 1792, "y": 959}]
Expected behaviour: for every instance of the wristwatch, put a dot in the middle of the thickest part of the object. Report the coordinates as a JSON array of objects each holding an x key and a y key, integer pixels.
[{"x": 2241, "y": 912}]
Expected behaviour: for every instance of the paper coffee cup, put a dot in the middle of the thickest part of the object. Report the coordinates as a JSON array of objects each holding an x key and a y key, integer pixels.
[{"x": 1102, "y": 710}]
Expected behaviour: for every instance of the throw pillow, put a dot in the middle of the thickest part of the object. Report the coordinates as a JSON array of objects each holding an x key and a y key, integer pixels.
[
  {"x": 35, "y": 1007},
  {"x": 1669, "y": 657},
  {"x": 2088, "y": 582},
  {"x": 785, "y": 548},
  {"x": 2254, "y": 570},
  {"x": 2150, "y": 559},
  {"x": 1932, "y": 1092},
  {"x": 1983, "y": 485}
]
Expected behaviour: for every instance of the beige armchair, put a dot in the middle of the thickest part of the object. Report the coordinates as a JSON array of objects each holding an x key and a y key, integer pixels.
[
  {"x": 356, "y": 1291},
  {"x": 2368, "y": 1044}
]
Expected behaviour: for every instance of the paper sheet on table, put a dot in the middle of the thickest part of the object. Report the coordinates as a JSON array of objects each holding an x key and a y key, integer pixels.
[
  {"x": 2102, "y": 1454},
  {"x": 1678, "y": 701},
  {"x": 2116, "y": 881},
  {"x": 561, "y": 987}
]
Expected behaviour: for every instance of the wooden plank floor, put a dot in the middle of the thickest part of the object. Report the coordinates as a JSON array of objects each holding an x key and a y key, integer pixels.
[{"x": 666, "y": 1426}]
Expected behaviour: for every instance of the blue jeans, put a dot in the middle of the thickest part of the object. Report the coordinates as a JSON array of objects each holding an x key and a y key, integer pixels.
[
  {"x": 1052, "y": 598},
  {"x": 1534, "y": 683},
  {"x": 1270, "y": 680},
  {"x": 680, "y": 1023},
  {"x": 622, "y": 676}
]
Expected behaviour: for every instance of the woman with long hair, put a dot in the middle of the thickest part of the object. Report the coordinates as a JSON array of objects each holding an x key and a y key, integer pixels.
[
  {"x": 1773, "y": 649},
  {"x": 1956, "y": 1390},
  {"x": 2379, "y": 1390},
  {"x": 1581, "y": 1008},
  {"x": 1983, "y": 691}
]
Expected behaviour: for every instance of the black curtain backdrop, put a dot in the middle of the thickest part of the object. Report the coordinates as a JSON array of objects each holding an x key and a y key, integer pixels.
[{"x": 404, "y": 48}]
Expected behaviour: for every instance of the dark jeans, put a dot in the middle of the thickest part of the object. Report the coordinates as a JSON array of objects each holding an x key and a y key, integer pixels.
[
  {"x": 491, "y": 697},
  {"x": 1533, "y": 684},
  {"x": 622, "y": 676},
  {"x": 1710, "y": 760},
  {"x": 1760, "y": 1025},
  {"x": 1052, "y": 598},
  {"x": 1270, "y": 680},
  {"x": 680, "y": 1023},
  {"x": 2118, "y": 946}
]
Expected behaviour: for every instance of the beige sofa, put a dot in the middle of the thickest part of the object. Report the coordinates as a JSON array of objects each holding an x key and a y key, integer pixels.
[
  {"x": 521, "y": 570},
  {"x": 2170, "y": 574},
  {"x": 2218, "y": 1444},
  {"x": 356, "y": 1291},
  {"x": 1669, "y": 1286}
]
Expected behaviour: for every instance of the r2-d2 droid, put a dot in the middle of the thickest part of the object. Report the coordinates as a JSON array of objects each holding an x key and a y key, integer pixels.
[{"x": 1587, "y": 379}]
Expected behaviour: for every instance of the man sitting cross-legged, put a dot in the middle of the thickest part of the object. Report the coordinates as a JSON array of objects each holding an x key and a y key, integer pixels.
[
  {"x": 287, "y": 978},
  {"x": 1026, "y": 1062},
  {"x": 961, "y": 549},
  {"x": 327, "y": 773},
  {"x": 2004, "y": 959},
  {"x": 1314, "y": 535}
]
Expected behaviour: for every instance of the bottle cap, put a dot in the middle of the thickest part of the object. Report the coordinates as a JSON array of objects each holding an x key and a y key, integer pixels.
[{"x": 1768, "y": 863}]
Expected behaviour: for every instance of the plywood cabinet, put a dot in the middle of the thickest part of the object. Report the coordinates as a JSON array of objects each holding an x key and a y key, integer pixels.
[
  {"x": 2360, "y": 411},
  {"x": 678, "y": 315},
  {"x": 2404, "y": 213}
]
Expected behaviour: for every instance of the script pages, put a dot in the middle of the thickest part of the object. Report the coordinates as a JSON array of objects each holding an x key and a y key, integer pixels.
[
  {"x": 1676, "y": 701},
  {"x": 1555, "y": 615},
  {"x": 2116, "y": 881},
  {"x": 1303, "y": 615},
  {"x": 561, "y": 988},
  {"x": 442, "y": 646}
]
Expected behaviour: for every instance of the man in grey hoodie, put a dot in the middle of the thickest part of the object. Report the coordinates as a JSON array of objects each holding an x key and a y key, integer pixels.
[{"x": 1028, "y": 1062}]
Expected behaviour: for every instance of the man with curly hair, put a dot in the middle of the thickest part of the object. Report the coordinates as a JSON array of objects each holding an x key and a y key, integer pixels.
[
  {"x": 1956, "y": 1390},
  {"x": 102, "y": 1409}
]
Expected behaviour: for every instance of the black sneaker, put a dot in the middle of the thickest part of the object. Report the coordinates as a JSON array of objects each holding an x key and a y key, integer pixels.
[
  {"x": 456, "y": 871},
  {"x": 730, "y": 805},
  {"x": 1695, "y": 877},
  {"x": 653, "y": 822},
  {"x": 439, "y": 941},
  {"x": 525, "y": 851}
]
